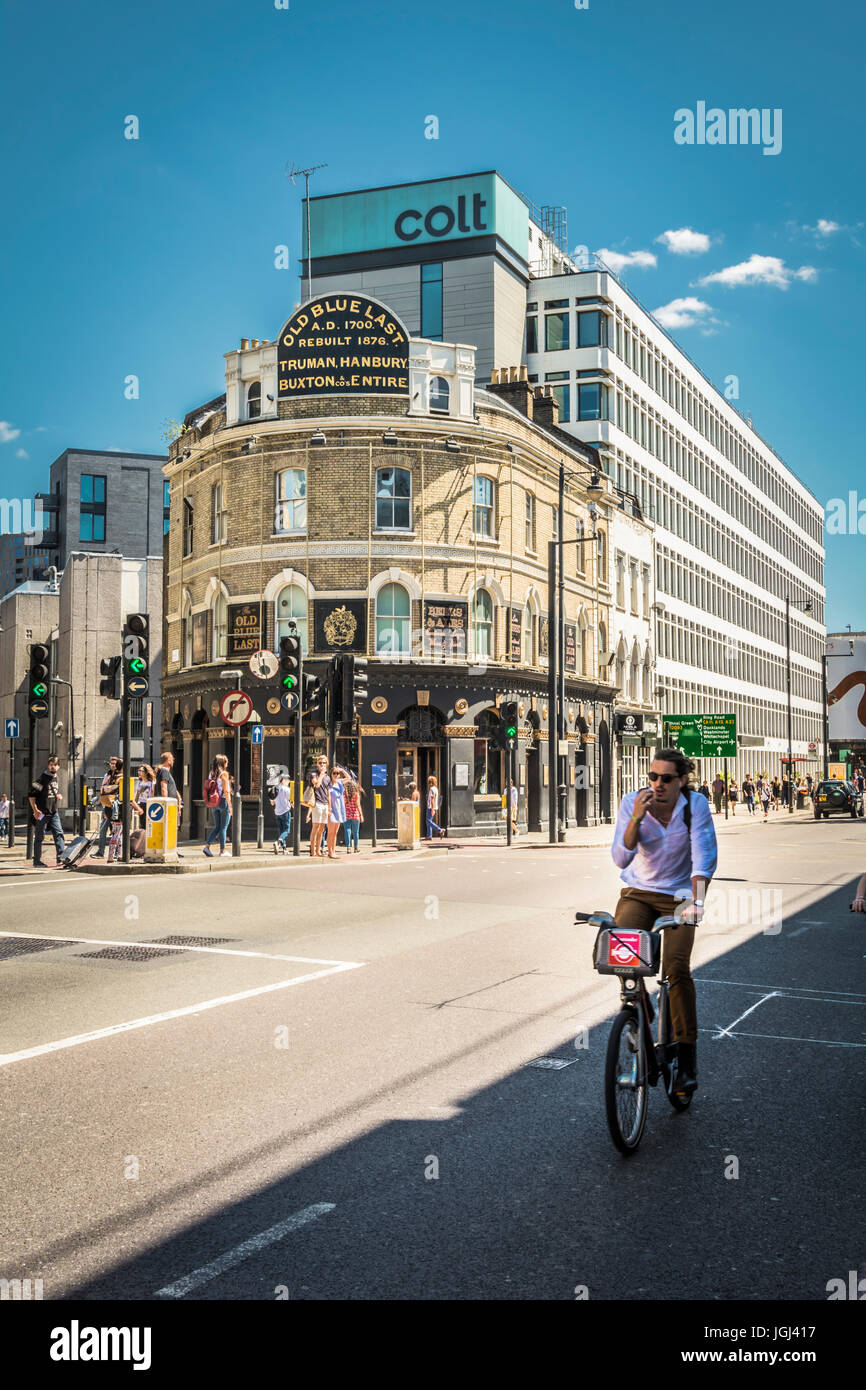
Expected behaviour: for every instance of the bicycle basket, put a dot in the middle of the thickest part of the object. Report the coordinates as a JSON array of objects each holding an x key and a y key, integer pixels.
[{"x": 618, "y": 951}]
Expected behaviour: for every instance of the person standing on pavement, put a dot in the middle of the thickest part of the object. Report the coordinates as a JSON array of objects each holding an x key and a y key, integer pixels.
[
  {"x": 718, "y": 793},
  {"x": 4, "y": 816},
  {"x": 749, "y": 793},
  {"x": 109, "y": 791},
  {"x": 283, "y": 814},
  {"x": 336, "y": 809},
  {"x": 143, "y": 792},
  {"x": 222, "y": 812},
  {"x": 321, "y": 784},
  {"x": 354, "y": 817},
  {"x": 44, "y": 799},
  {"x": 765, "y": 793},
  {"x": 164, "y": 784}
]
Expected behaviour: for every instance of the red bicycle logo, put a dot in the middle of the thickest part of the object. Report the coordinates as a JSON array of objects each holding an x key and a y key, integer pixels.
[{"x": 625, "y": 950}]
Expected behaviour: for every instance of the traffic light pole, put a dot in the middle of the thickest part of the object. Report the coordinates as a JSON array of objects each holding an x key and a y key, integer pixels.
[
  {"x": 125, "y": 799},
  {"x": 552, "y": 721},
  {"x": 236, "y": 799},
  {"x": 260, "y": 825},
  {"x": 32, "y": 774},
  {"x": 509, "y": 784},
  {"x": 12, "y": 793}
]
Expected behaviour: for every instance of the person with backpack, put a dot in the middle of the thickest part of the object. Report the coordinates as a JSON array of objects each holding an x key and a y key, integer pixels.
[
  {"x": 143, "y": 792},
  {"x": 665, "y": 846},
  {"x": 749, "y": 793},
  {"x": 282, "y": 803},
  {"x": 765, "y": 792},
  {"x": 218, "y": 795}
]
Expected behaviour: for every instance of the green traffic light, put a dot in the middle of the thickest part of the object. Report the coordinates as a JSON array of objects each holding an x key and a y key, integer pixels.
[
  {"x": 511, "y": 732},
  {"x": 290, "y": 682},
  {"x": 136, "y": 666},
  {"x": 39, "y": 689}
]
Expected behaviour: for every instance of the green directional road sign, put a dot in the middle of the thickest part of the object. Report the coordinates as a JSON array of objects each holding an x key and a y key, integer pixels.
[{"x": 703, "y": 735}]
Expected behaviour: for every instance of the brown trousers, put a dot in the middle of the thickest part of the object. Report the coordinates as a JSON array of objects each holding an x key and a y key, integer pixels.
[{"x": 637, "y": 910}]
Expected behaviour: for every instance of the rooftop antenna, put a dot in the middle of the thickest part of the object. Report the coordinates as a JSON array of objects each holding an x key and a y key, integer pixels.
[{"x": 292, "y": 173}]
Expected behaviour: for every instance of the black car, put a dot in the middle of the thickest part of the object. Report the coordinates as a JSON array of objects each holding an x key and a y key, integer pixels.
[{"x": 837, "y": 796}]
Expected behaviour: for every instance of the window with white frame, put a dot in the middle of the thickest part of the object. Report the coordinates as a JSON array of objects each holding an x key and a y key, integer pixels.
[
  {"x": 290, "y": 500},
  {"x": 290, "y": 607},
  {"x": 633, "y": 586},
  {"x": 186, "y": 634},
  {"x": 393, "y": 499},
  {"x": 528, "y": 645},
  {"x": 440, "y": 394},
  {"x": 220, "y": 627},
  {"x": 619, "y": 564},
  {"x": 530, "y": 521},
  {"x": 219, "y": 530},
  {"x": 393, "y": 619},
  {"x": 188, "y": 519},
  {"x": 482, "y": 514},
  {"x": 482, "y": 614},
  {"x": 254, "y": 400}
]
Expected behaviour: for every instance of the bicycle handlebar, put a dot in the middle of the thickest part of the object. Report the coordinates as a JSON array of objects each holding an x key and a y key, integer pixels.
[{"x": 604, "y": 919}]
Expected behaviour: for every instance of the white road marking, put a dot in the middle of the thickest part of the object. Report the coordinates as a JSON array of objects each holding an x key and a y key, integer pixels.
[
  {"x": 726, "y": 1032},
  {"x": 798, "y": 932},
  {"x": 161, "y": 946},
  {"x": 786, "y": 1037},
  {"x": 113, "y": 1029},
  {"x": 243, "y": 1251},
  {"x": 801, "y": 989},
  {"x": 811, "y": 922}
]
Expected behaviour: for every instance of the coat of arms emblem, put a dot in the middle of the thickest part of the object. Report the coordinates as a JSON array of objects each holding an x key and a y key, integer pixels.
[{"x": 340, "y": 627}]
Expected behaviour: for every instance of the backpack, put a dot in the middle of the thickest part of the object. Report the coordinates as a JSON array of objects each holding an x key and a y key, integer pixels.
[{"x": 211, "y": 792}]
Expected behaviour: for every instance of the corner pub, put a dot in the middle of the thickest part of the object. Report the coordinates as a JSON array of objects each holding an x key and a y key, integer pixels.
[{"x": 358, "y": 483}]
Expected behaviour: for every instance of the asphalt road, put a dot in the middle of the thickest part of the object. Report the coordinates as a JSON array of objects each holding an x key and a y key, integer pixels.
[{"x": 330, "y": 1092}]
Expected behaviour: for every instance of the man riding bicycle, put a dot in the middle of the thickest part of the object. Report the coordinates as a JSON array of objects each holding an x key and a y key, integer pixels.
[{"x": 665, "y": 845}]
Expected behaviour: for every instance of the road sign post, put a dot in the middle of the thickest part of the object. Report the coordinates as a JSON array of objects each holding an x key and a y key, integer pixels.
[
  {"x": 257, "y": 740},
  {"x": 12, "y": 738}
]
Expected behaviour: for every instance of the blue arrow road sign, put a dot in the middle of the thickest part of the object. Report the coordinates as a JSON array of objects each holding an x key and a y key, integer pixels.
[
  {"x": 154, "y": 811},
  {"x": 11, "y": 728},
  {"x": 258, "y": 733}
]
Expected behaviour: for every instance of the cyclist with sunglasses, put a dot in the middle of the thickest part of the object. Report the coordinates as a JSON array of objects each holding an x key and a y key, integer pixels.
[{"x": 665, "y": 845}]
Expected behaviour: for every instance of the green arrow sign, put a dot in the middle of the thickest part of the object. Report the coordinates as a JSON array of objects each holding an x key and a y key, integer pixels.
[
  {"x": 136, "y": 666},
  {"x": 39, "y": 689}
]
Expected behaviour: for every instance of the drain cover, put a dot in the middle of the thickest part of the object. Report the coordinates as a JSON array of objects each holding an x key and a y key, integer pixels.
[
  {"x": 552, "y": 1063},
  {"x": 25, "y": 945},
  {"x": 130, "y": 953},
  {"x": 193, "y": 940}
]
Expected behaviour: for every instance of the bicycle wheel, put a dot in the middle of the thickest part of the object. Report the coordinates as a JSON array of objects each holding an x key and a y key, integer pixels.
[
  {"x": 625, "y": 1082},
  {"x": 669, "y": 1062}
]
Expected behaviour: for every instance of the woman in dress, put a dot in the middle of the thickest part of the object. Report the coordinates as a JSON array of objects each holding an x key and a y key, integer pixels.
[{"x": 336, "y": 808}]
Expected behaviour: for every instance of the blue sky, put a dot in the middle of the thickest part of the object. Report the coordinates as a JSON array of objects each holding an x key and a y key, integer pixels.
[{"x": 153, "y": 257}]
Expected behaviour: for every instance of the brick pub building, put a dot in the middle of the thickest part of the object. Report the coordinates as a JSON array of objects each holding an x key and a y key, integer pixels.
[{"x": 356, "y": 480}]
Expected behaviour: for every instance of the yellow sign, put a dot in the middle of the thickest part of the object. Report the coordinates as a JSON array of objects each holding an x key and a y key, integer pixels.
[
  {"x": 837, "y": 771},
  {"x": 161, "y": 836},
  {"x": 378, "y": 801}
]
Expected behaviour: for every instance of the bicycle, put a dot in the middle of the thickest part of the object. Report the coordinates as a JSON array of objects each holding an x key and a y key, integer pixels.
[{"x": 634, "y": 1062}]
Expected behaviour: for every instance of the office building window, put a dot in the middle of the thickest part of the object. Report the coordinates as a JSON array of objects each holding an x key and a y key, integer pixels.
[
  {"x": 92, "y": 507},
  {"x": 166, "y": 503},
  {"x": 482, "y": 518},
  {"x": 254, "y": 400},
  {"x": 556, "y": 332},
  {"x": 393, "y": 618},
  {"x": 530, "y": 521},
  {"x": 431, "y": 300},
  {"x": 291, "y": 607},
  {"x": 592, "y": 330},
  {"x": 532, "y": 334},
  {"x": 561, "y": 393},
  {"x": 440, "y": 394},
  {"x": 591, "y": 401},
  {"x": 290, "y": 503},
  {"x": 393, "y": 499}
]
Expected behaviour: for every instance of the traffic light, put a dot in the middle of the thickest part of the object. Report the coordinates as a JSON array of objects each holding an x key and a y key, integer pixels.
[
  {"x": 37, "y": 684},
  {"x": 136, "y": 654},
  {"x": 312, "y": 693},
  {"x": 509, "y": 717},
  {"x": 290, "y": 663},
  {"x": 360, "y": 684},
  {"x": 353, "y": 687},
  {"x": 111, "y": 668}
]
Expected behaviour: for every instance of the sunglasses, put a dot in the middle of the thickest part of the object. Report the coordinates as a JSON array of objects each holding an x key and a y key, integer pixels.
[{"x": 663, "y": 777}]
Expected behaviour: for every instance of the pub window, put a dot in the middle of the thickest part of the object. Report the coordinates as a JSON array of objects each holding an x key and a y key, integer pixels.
[
  {"x": 291, "y": 607},
  {"x": 254, "y": 400},
  {"x": 488, "y": 759},
  {"x": 188, "y": 517},
  {"x": 393, "y": 618},
  {"x": 290, "y": 504},
  {"x": 483, "y": 623},
  {"x": 440, "y": 394},
  {"x": 482, "y": 517},
  {"x": 393, "y": 499},
  {"x": 220, "y": 627},
  {"x": 528, "y": 653}
]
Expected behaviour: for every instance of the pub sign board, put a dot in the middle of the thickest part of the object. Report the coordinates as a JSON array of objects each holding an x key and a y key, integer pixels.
[
  {"x": 340, "y": 625},
  {"x": 245, "y": 629},
  {"x": 445, "y": 624},
  {"x": 342, "y": 345}
]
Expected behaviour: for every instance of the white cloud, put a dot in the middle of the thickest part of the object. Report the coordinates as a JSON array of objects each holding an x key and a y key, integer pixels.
[
  {"x": 683, "y": 313},
  {"x": 685, "y": 242},
  {"x": 21, "y": 454},
  {"x": 618, "y": 260},
  {"x": 759, "y": 270},
  {"x": 7, "y": 434}
]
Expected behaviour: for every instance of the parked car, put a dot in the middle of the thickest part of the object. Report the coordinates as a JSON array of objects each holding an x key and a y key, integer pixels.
[{"x": 837, "y": 796}]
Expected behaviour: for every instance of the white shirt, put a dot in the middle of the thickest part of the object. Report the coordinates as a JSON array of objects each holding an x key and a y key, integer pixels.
[
  {"x": 283, "y": 801},
  {"x": 664, "y": 859},
  {"x": 433, "y": 799}
]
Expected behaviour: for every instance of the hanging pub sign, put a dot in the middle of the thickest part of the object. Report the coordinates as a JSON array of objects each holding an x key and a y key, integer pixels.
[
  {"x": 445, "y": 622},
  {"x": 342, "y": 345},
  {"x": 544, "y": 637},
  {"x": 570, "y": 647},
  {"x": 245, "y": 629},
  {"x": 199, "y": 639},
  {"x": 515, "y": 619},
  {"x": 338, "y": 626}
]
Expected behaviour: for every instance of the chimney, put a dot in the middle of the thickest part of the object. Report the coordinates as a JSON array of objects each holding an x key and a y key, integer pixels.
[
  {"x": 545, "y": 406},
  {"x": 245, "y": 342},
  {"x": 512, "y": 384}
]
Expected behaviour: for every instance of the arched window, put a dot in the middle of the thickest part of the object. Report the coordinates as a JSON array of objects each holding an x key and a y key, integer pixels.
[
  {"x": 440, "y": 394},
  {"x": 393, "y": 618},
  {"x": 254, "y": 400},
  {"x": 483, "y": 622},
  {"x": 220, "y": 627},
  {"x": 188, "y": 518},
  {"x": 393, "y": 499},
  {"x": 528, "y": 652},
  {"x": 290, "y": 605},
  {"x": 647, "y": 677}
]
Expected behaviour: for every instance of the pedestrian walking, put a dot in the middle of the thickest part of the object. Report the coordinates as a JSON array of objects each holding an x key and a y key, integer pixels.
[
  {"x": 336, "y": 809},
  {"x": 733, "y": 795},
  {"x": 354, "y": 817},
  {"x": 283, "y": 814},
  {"x": 704, "y": 790},
  {"x": 165, "y": 785},
  {"x": 777, "y": 793},
  {"x": 749, "y": 793},
  {"x": 433, "y": 803},
  {"x": 765, "y": 794},
  {"x": 321, "y": 784},
  {"x": 44, "y": 802},
  {"x": 109, "y": 792},
  {"x": 143, "y": 792},
  {"x": 219, "y": 784},
  {"x": 4, "y": 816},
  {"x": 718, "y": 793}
]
